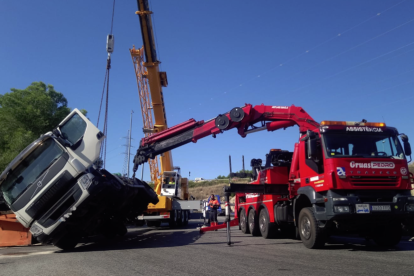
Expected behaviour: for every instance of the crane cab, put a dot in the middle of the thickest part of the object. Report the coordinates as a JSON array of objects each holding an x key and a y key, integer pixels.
[{"x": 171, "y": 184}]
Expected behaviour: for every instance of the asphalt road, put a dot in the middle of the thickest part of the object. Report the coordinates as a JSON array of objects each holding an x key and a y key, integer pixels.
[{"x": 162, "y": 251}]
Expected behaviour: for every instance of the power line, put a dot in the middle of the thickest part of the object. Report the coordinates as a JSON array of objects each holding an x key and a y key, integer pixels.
[
  {"x": 338, "y": 35},
  {"x": 356, "y": 66}
]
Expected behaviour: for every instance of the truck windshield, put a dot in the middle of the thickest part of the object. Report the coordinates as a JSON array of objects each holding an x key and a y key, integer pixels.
[
  {"x": 29, "y": 169},
  {"x": 384, "y": 145}
]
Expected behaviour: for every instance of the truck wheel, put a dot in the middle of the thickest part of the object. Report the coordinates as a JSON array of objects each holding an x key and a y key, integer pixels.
[
  {"x": 186, "y": 217},
  {"x": 173, "y": 219},
  {"x": 390, "y": 235},
  {"x": 180, "y": 219},
  {"x": 267, "y": 229},
  {"x": 243, "y": 222},
  {"x": 68, "y": 242},
  {"x": 311, "y": 234},
  {"x": 253, "y": 223}
]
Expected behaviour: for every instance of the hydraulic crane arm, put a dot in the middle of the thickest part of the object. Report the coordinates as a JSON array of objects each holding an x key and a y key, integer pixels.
[{"x": 244, "y": 119}]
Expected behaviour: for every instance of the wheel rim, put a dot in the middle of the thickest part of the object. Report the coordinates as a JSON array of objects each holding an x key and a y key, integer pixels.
[
  {"x": 305, "y": 228},
  {"x": 262, "y": 223},
  {"x": 251, "y": 220},
  {"x": 243, "y": 221}
]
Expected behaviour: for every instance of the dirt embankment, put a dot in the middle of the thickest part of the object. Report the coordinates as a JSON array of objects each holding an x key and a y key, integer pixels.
[{"x": 203, "y": 189}]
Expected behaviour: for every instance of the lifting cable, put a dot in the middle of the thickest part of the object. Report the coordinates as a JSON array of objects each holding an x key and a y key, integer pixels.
[{"x": 105, "y": 93}]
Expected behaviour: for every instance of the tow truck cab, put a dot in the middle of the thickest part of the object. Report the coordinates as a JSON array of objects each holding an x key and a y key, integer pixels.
[
  {"x": 352, "y": 176},
  {"x": 353, "y": 168}
]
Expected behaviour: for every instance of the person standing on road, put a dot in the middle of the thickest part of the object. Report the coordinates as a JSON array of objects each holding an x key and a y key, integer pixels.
[{"x": 213, "y": 204}]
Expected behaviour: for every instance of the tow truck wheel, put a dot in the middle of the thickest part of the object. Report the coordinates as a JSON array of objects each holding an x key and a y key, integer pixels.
[
  {"x": 389, "y": 235},
  {"x": 243, "y": 222},
  {"x": 310, "y": 233},
  {"x": 267, "y": 229},
  {"x": 253, "y": 223}
]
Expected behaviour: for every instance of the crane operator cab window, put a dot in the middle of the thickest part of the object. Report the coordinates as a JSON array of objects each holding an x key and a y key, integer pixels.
[{"x": 170, "y": 184}]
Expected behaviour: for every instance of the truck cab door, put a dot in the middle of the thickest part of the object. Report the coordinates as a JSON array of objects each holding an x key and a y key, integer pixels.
[
  {"x": 82, "y": 139},
  {"x": 311, "y": 159}
]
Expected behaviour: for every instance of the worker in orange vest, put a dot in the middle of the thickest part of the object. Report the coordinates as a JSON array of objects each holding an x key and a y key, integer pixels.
[{"x": 213, "y": 204}]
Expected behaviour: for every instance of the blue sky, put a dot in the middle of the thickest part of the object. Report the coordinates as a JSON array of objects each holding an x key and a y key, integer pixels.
[{"x": 339, "y": 60}]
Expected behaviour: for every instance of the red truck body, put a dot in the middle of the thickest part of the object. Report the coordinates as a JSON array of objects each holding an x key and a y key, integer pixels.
[{"x": 341, "y": 176}]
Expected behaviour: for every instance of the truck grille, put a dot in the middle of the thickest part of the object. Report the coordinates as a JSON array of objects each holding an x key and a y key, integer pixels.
[
  {"x": 52, "y": 195},
  {"x": 374, "y": 180}
]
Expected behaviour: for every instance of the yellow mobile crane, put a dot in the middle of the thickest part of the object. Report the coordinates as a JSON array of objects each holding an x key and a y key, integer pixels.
[{"x": 172, "y": 190}]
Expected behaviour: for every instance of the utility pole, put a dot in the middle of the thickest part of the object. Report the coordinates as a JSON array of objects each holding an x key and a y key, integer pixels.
[
  {"x": 243, "y": 162},
  {"x": 129, "y": 143}
]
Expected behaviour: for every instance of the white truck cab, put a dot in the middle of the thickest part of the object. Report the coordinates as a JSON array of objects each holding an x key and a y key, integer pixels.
[{"x": 47, "y": 185}]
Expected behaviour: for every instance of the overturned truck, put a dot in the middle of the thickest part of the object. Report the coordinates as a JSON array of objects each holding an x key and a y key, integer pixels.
[{"x": 54, "y": 187}]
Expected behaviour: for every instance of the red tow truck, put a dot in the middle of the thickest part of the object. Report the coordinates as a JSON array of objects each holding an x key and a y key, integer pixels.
[{"x": 341, "y": 177}]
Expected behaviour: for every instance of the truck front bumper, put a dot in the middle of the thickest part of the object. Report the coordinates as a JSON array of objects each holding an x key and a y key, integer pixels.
[{"x": 365, "y": 208}]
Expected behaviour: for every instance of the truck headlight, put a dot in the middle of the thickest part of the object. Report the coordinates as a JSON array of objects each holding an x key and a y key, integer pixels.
[
  {"x": 341, "y": 209},
  {"x": 36, "y": 230},
  {"x": 85, "y": 181},
  {"x": 410, "y": 207}
]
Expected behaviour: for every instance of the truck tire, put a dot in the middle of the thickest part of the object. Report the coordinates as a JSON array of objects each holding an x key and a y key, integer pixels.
[
  {"x": 173, "y": 219},
  {"x": 68, "y": 242},
  {"x": 267, "y": 229},
  {"x": 186, "y": 217},
  {"x": 253, "y": 223},
  {"x": 389, "y": 235},
  {"x": 243, "y": 222},
  {"x": 311, "y": 234},
  {"x": 180, "y": 219}
]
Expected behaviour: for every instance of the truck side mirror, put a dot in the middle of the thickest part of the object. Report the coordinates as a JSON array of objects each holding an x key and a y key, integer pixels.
[
  {"x": 407, "y": 146},
  {"x": 312, "y": 148}
]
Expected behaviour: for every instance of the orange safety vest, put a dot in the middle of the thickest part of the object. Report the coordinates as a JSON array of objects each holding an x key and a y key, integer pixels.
[{"x": 213, "y": 203}]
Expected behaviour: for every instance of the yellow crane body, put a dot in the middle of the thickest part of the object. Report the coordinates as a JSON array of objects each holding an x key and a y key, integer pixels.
[{"x": 150, "y": 82}]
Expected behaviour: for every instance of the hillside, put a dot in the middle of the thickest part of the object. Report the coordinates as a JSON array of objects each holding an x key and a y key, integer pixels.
[{"x": 202, "y": 189}]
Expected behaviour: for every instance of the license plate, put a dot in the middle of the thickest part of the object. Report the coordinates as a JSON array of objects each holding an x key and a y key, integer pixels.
[
  {"x": 362, "y": 208},
  {"x": 381, "y": 207}
]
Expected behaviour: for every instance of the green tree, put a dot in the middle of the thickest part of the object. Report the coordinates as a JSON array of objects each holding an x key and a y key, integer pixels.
[{"x": 25, "y": 114}]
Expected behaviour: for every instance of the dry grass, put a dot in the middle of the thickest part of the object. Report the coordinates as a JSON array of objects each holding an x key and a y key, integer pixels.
[{"x": 202, "y": 192}]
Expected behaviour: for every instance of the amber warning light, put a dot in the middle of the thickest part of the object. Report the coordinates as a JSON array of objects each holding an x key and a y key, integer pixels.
[{"x": 349, "y": 123}]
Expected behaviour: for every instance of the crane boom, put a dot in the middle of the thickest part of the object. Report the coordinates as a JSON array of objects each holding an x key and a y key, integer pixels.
[
  {"x": 156, "y": 79},
  {"x": 271, "y": 118}
]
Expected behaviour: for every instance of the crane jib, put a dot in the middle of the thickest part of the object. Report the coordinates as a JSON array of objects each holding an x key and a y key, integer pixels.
[{"x": 277, "y": 117}]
